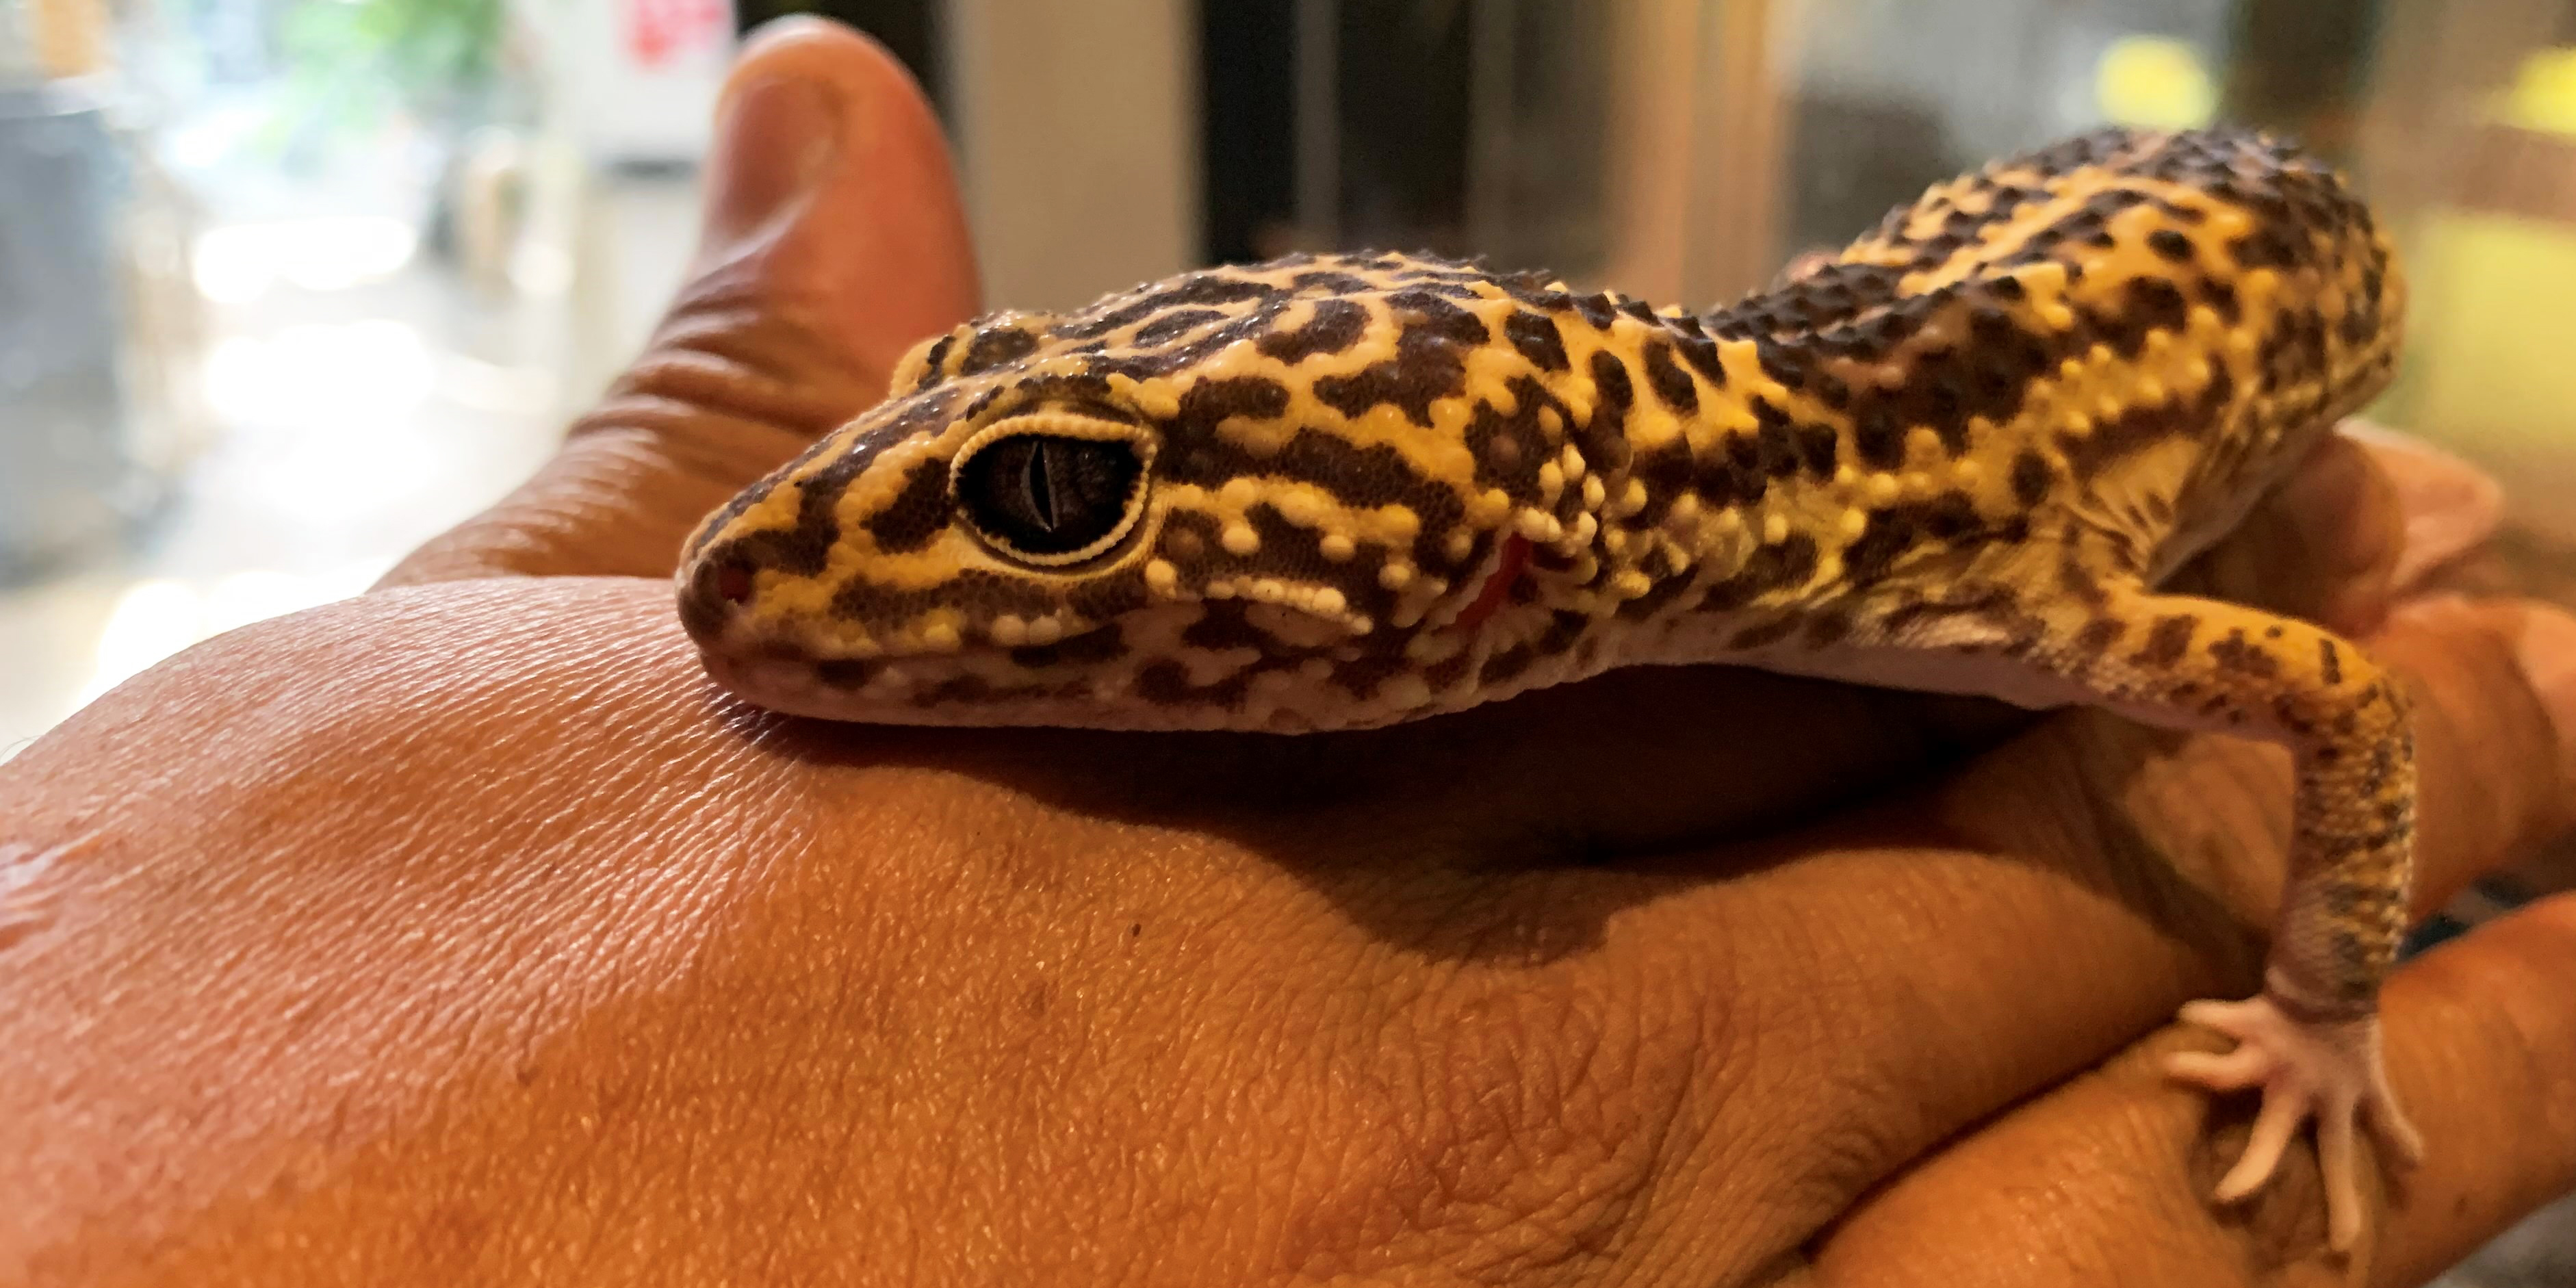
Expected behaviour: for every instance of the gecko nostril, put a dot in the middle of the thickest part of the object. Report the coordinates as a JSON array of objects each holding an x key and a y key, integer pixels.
[{"x": 708, "y": 602}]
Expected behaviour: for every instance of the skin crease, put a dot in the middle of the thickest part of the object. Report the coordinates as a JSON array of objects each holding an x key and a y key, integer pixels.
[{"x": 464, "y": 933}]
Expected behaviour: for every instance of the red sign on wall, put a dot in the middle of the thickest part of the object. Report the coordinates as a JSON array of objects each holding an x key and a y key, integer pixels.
[{"x": 658, "y": 31}]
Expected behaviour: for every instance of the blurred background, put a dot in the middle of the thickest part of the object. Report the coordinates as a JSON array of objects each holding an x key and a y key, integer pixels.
[{"x": 287, "y": 286}]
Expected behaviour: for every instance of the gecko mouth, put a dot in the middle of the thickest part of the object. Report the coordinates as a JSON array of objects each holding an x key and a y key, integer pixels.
[
  {"x": 973, "y": 685},
  {"x": 788, "y": 685},
  {"x": 945, "y": 693},
  {"x": 874, "y": 690}
]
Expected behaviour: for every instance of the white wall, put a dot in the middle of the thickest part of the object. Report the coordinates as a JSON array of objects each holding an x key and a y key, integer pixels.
[{"x": 1078, "y": 143}]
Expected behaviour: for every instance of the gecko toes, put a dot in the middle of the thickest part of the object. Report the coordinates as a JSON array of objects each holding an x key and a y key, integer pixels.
[
  {"x": 2236, "y": 1070},
  {"x": 2328, "y": 1071}
]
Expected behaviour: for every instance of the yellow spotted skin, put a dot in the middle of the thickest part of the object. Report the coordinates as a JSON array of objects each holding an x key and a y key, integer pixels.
[{"x": 1341, "y": 491}]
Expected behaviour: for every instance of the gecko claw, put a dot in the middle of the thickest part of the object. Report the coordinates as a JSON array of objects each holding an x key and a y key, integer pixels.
[{"x": 2331, "y": 1072}]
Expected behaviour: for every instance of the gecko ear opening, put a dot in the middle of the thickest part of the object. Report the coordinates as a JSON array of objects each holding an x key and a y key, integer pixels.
[{"x": 1052, "y": 489}]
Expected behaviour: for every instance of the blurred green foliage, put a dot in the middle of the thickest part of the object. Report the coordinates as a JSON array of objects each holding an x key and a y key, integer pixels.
[{"x": 351, "y": 62}]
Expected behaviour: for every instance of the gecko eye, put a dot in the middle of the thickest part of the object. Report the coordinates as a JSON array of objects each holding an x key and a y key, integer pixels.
[{"x": 1051, "y": 498}]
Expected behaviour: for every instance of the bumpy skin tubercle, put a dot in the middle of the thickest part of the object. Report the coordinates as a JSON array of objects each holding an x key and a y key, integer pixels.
[{"x": 1342, "y": 491}]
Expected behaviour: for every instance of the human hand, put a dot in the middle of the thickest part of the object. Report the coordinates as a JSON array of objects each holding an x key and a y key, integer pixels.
[{"x": 466, "y": 933}]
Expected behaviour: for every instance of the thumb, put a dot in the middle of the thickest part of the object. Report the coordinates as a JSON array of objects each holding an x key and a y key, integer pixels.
[{"x": 830, "y": 199}]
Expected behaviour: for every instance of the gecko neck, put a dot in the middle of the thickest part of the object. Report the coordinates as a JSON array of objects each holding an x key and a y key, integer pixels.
[{"x": 1732, "y": 483}]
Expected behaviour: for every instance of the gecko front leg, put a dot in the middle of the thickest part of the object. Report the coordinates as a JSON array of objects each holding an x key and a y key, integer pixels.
[{"x": 2310, "y": 1039}]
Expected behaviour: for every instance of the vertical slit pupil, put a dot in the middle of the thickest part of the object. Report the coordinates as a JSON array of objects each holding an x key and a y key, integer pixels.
[{"x": 1034, "y": 489}]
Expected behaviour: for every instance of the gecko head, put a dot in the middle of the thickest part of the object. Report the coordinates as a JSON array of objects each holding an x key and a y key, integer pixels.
[{"x": 1054, "y": 522}]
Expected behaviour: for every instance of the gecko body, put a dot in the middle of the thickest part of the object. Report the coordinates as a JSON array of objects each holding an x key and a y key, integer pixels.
[{"x": 1340, "y": 491}]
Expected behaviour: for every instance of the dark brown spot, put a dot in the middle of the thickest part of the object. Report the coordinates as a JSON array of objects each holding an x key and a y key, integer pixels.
[
  {"x": 1732, "y": 476},
  {"x": 1563, "y": 630},
  {"x": 1506, "y": 665},
  {"x": 1362, "y": 676},
  {"x": 2221, "y": 297},
  {"x": 1816, "y": 449},
  {"x": 2267, "y": 247},
  {"x": 1666, "y": 473},
  {"x": 1610, "y": 376},
  {"x": 2030, "y": 476},
  {"x": 985, "y": 592},
  {"x": 1537, "y": 338},
  {"x": 1510, "y": 449},
  {"x": 1175, "y": 324},
  {"x": 1429, "y": 362},
  {"x": 2142, "y": 427},
  {"x": 2157, "y": 303},
  {"x": 1445, "y": 674},
  {"x": 1146, "y": 363},
  {"x": 1213, "y": 287},
  {"x": 1670, "y": 383},
  {"x": 918, "y": 512},
  {"x": 1701, "y": 353},
  {"x": 1532, "y": 289},
  {"x": 1775, "y": 440},
  {"x": 1880, "y": 438},
  {"x": 2098, "y": 635},
  {"x": 933, "y": 362},
  {"x": 848, "y": 672},
  {"x": 2078, "y": 581},
  {"x": 2171, "y": 245},
  {"x": 1335, "y": 326},
  {"x": 1330, "y": 282},
  {"x": 1772, "y": 567},
  {"x": 1667, "y": 584},
  {"x": 2167, "y": 640},
  {"x": 2234, "y": 652},
  {"x": 1212, "y": 402},
  {"x": 1889, "y": 533}
]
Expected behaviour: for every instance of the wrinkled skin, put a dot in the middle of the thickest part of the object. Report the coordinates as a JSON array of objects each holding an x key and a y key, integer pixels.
[{"x": 464, "y": 933}]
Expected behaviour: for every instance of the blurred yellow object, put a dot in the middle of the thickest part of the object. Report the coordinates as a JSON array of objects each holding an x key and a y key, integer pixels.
[
  {"x": 2154, "y": 82},
  {"x": 2542, "y": 97},
  {"x": 70, "y": 36},
  {"x": 2492, "y": 331}
]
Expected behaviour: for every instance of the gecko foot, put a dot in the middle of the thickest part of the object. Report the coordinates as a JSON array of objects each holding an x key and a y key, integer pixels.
[{"x": 2329, "y": 1071}]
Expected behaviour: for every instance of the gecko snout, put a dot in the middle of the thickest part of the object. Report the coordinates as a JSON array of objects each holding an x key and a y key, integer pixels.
[{"x": 711, "y": 598}]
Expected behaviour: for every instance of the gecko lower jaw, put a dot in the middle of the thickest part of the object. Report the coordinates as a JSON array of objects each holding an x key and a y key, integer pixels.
[
  {"x": 787, "y": 685},
  {"x": 913, "y": 690}
]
